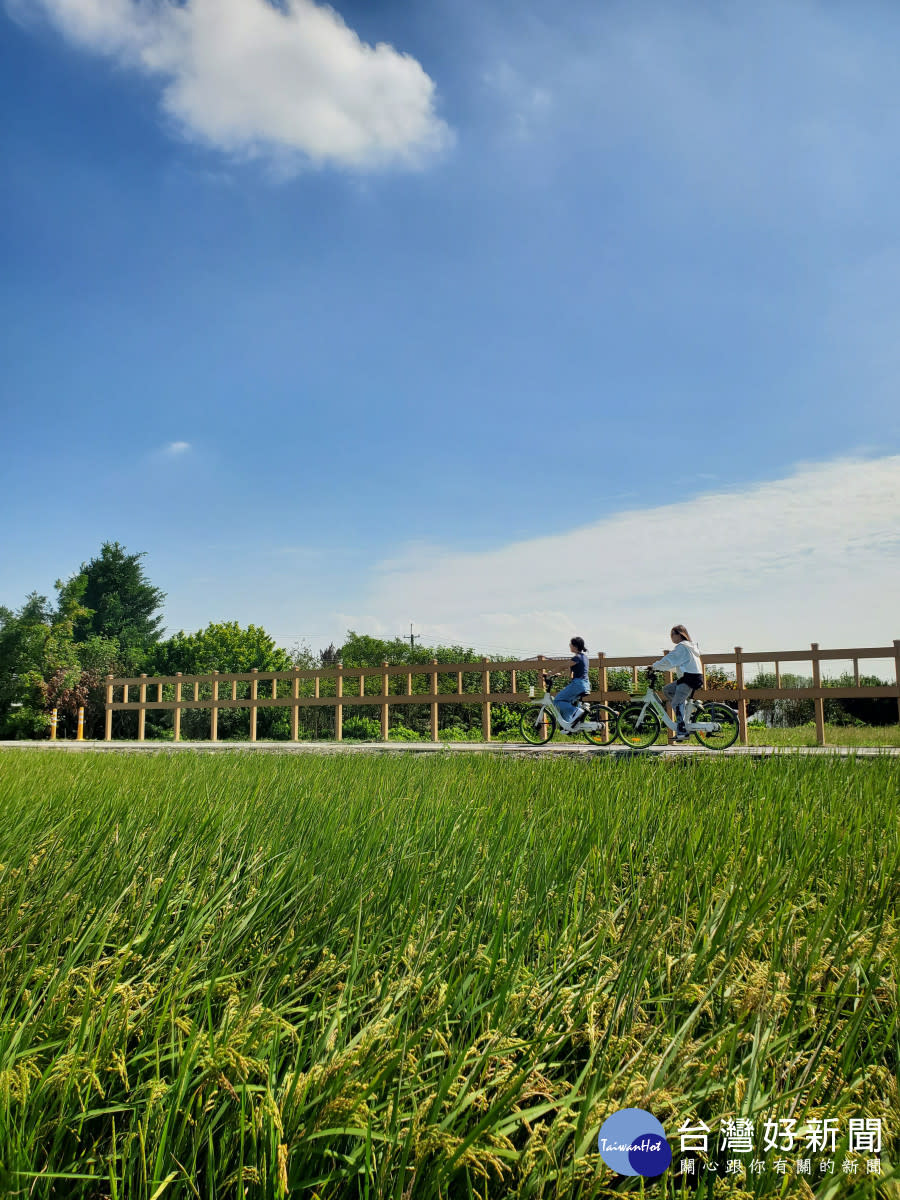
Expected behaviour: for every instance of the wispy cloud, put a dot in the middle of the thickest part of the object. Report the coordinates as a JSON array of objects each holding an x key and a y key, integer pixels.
[
  {"x": 174, "y": 449},
  {"x": 529, "y": 105},
  {"x": 250, "y": 77},
  {"x": 811, "y": 557}
]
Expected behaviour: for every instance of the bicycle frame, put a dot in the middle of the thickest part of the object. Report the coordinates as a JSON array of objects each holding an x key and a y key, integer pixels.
[
  {"x": 651, "y": 700},
  {"x": 546, "y": 702}
]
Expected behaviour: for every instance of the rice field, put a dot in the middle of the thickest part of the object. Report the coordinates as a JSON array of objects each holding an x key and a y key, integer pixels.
[{"x": 366, "y": 977}]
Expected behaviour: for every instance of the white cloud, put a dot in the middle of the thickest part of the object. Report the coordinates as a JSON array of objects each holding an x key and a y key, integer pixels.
[
  {"x": 813, "y": 557},
  {"x": 247, "y": 77},
  {"x": 175, "y": 448}
]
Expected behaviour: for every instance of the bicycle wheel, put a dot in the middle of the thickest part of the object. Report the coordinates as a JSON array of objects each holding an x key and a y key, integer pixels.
[
  {"x": 727, "y": 733},
  {"x": 538, "y": 725},
  {"x": 638, "y": 734},
  {"x": 607, "y": 718}
]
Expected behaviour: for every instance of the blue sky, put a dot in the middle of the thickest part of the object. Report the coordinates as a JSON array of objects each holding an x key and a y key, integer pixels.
[{"x": 332, "y": 332}]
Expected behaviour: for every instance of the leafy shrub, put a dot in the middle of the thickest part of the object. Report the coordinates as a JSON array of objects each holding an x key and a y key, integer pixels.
[
  {"x": 363, "y": 729},
  {"x": 504, "y": 718},
  {"x": 402, "y": 733},
  {"x": 25, "y": 722}
]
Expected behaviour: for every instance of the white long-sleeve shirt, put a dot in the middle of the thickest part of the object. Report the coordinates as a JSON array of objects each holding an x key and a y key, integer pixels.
[{"x": 683, "y": 658}]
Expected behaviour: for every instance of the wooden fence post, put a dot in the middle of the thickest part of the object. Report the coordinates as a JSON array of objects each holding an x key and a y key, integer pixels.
[
  {"x": 339, "y": 708},
  {"x": 434, "y": 703},
  {"x": 142, "y": 713},
  {"x": 486, "y": 704},
  {"x": 385, "y": 688},
  {"x": 818, "y": 702},
  {"x": 214, "y": 712},
  {"x": 601, "y": 688},
  {"x": 741, "y": 703},
  {"x": 295, "y": 707},
  {"x": 176, "y": 716},
  {"x": 254, "y": 695},
  {"x": 107, "y": 732}
]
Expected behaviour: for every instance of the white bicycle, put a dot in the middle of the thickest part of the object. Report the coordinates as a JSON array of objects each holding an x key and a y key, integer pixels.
[
  {"x": 640, "y": 723},
  {"x": 542, "y": 719}
]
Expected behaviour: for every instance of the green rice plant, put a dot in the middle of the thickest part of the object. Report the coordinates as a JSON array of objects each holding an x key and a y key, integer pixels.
[{"x": 361, "y": 976}]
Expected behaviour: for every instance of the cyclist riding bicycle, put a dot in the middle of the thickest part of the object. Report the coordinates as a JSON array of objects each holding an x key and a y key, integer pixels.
[
  {"x": 685, "y": 659},
  {"x": 578, "y": 686}
]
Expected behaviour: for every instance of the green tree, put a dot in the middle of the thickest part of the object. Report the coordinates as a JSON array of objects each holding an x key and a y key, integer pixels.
[
  {"x": 222, "y": 646},
  {"x": 119, "y": 602},
  {"x": 229, "y": 648}
]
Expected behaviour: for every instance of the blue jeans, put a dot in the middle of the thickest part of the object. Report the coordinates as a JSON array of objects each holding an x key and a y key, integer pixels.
[
  {"x": 578, "y": 687},
  {"x": 678, "y": 695}
]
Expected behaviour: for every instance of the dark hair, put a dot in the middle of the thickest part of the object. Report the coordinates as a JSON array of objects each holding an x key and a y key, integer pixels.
[
  {"x": 682, "y": 632},
  {"x": 578, "y": 643}
]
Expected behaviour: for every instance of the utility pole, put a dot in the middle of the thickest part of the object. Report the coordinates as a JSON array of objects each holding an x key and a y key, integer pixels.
[{"x": 413, "y": 637}]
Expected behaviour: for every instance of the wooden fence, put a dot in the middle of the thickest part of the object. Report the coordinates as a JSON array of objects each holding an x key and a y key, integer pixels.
[{"x": 282, "y": 689}]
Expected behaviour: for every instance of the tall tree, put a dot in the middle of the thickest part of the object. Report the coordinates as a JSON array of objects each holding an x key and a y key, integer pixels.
[{"x": 121, "y": 601}]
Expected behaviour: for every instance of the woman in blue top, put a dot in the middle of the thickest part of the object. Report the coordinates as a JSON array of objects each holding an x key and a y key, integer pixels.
[{"x": 579, "y": 684}]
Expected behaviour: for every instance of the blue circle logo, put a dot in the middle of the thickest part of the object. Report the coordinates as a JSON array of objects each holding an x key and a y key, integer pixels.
[{"x": 633, "y": 1142}]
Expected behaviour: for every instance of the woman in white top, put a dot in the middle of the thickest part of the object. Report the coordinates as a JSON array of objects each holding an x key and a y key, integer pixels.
[{"x": 685, "y": 659}]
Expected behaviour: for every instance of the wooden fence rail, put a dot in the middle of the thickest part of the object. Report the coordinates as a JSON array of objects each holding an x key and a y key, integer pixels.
[{"x": 282, "y": 689}]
